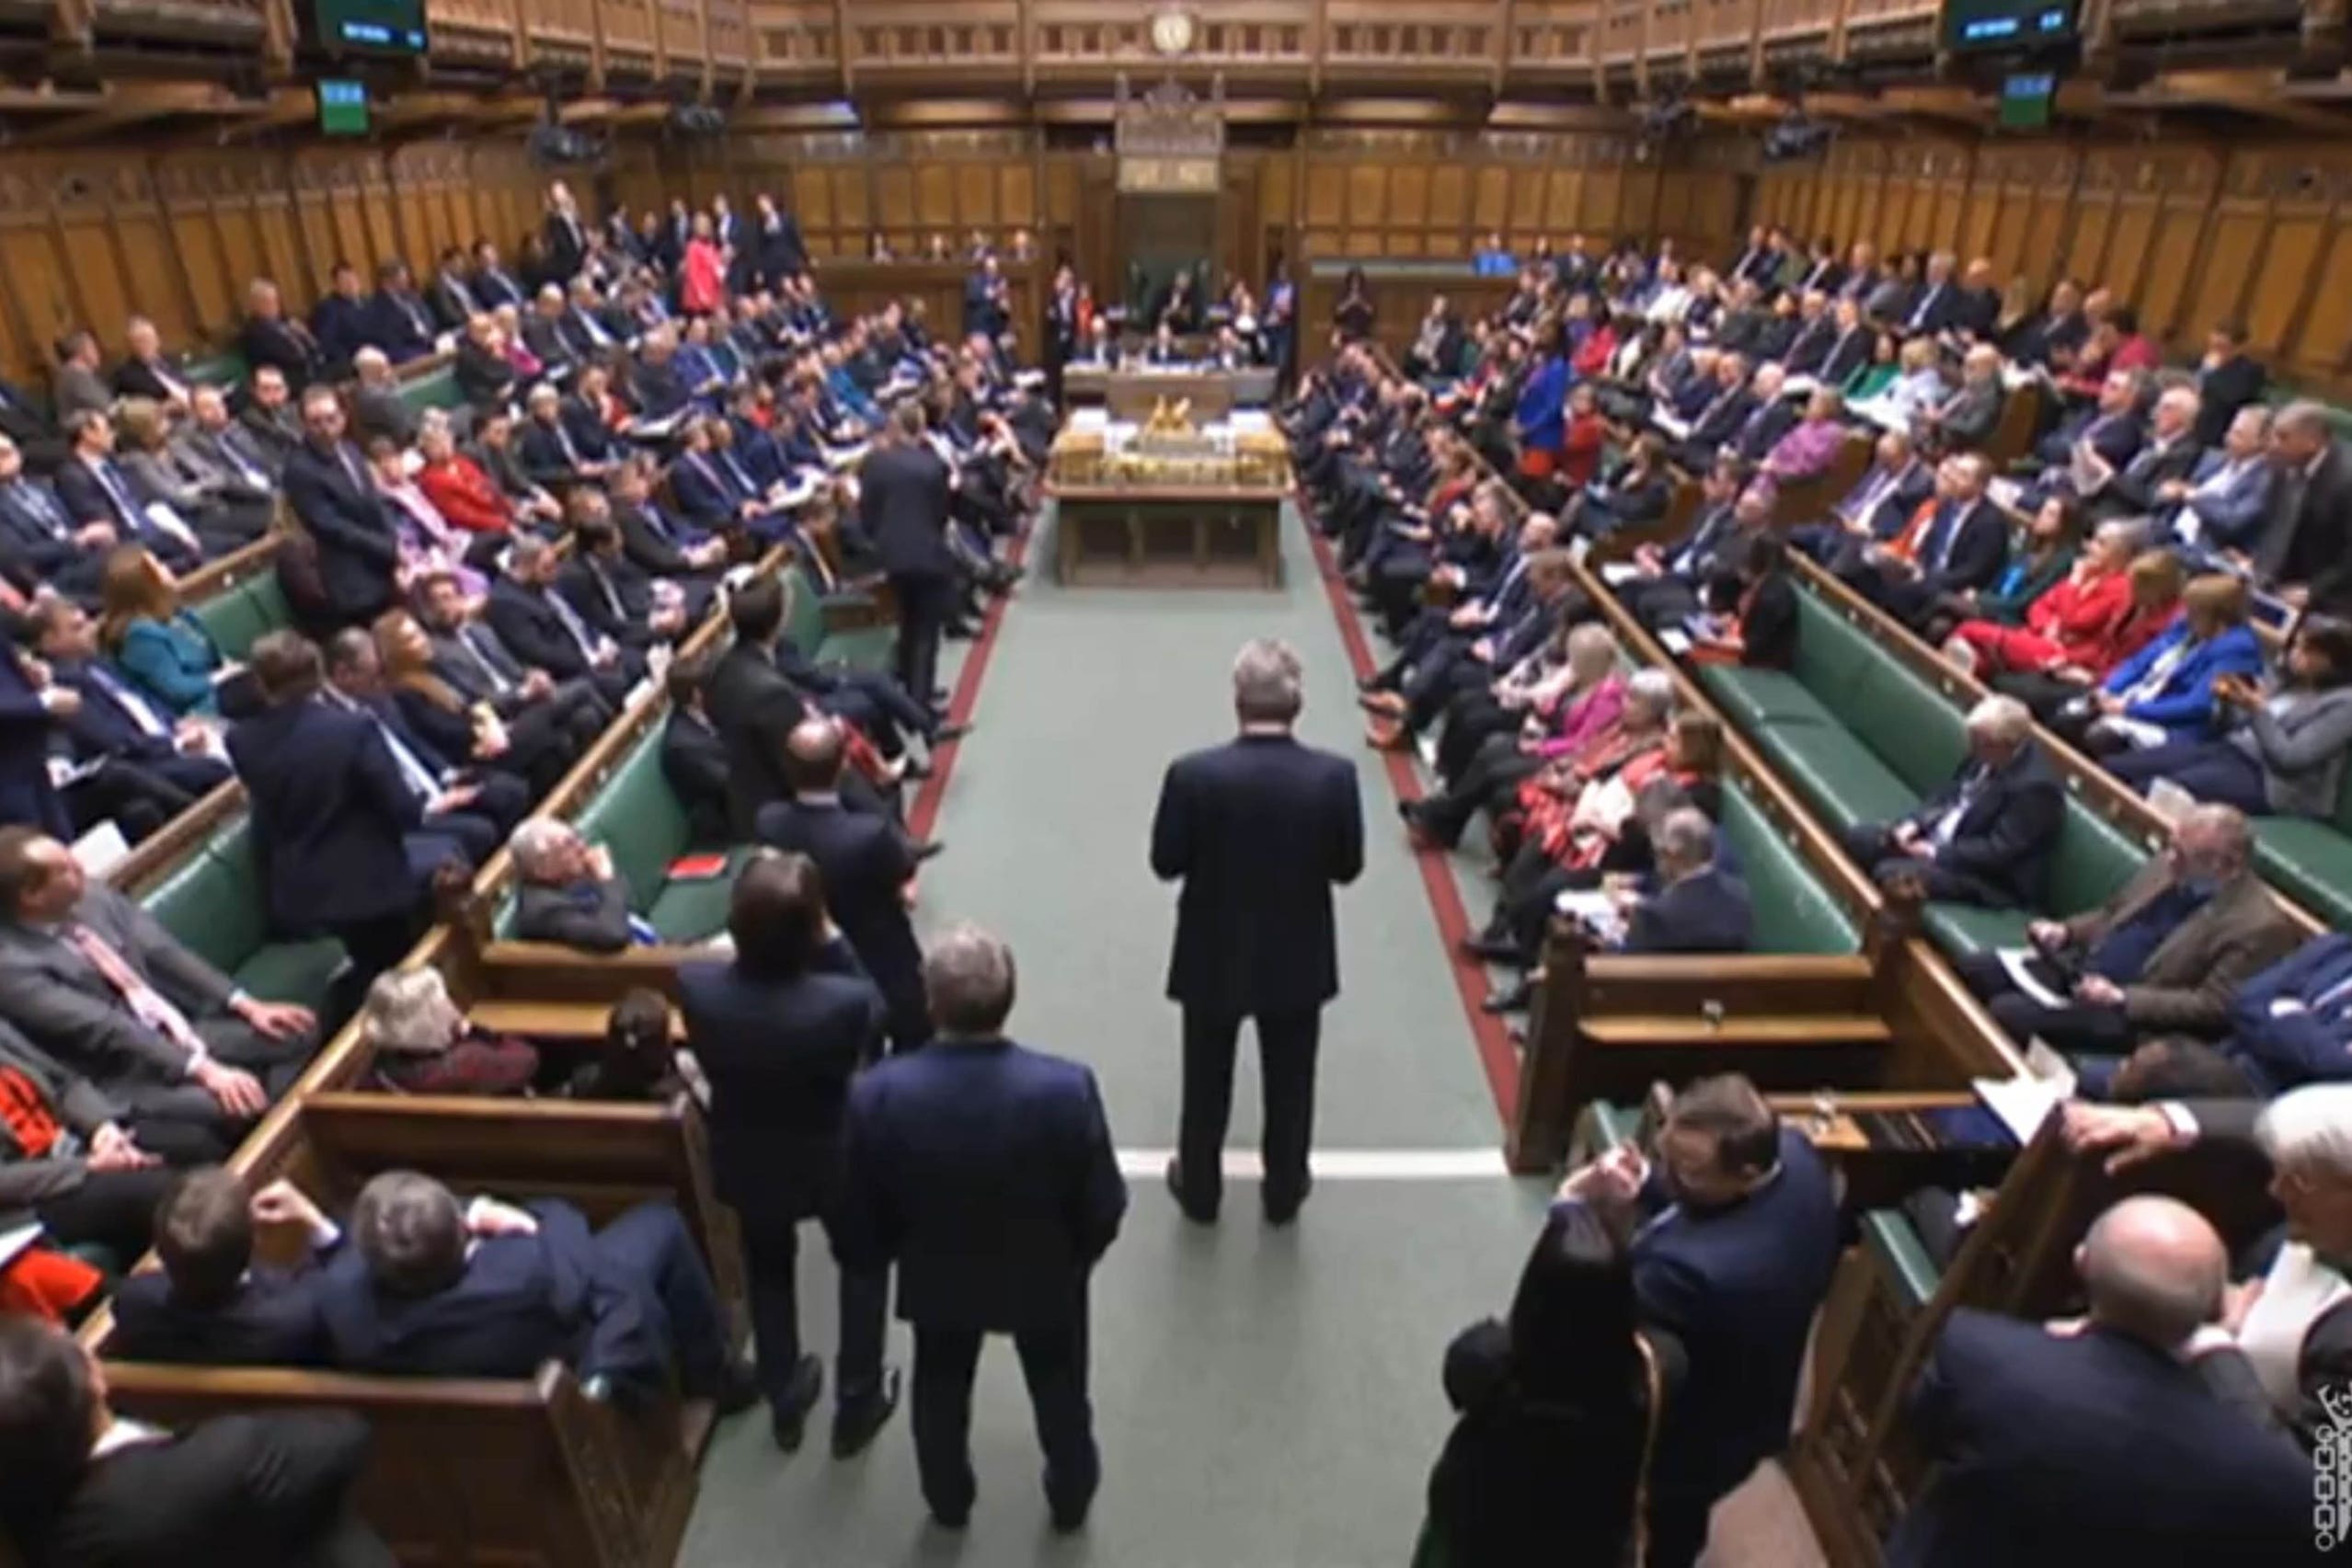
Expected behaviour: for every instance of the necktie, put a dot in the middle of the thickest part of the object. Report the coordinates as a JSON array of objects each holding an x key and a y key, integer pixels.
[
  {"x": 250, "y": 471},
  {"x": 572, "y": 623},
  {"x": 2333, "y": 997},
  {"x": 149, "y": 1005},
  {"x": 499, "y": 682},
  {"x": 741, "y": 478},
  {"x": 43, "y": 507},
  {"x": 612, "y": 596},
  {"x": 142, "y": 712},
  {"x": 117, "y": 493},
  {"x": 419, "y": 778},
  {"x": 563, "y": 440}
]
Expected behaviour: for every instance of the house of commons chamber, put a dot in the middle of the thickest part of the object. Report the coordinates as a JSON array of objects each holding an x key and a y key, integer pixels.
[{"x": 1453, "y": 783}]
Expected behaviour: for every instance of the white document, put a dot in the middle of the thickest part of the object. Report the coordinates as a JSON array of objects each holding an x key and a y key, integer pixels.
[
  {"x": 1595, "y": 911},
  {"x": 2004, "y": 493},
  {"x": 101, "y": 849},
  {"x": 2022, "y": 1104},
  {"x": 1881, "y": 413},
  {"x": 848, "y": 456},
  {"x": 2050, "y": 1066},
  {"x": 1615, "y": 573},
  {"x": 2170, "y": 801},
  {"x": 1671, "y": 423},
  {"x": 15, "y": 1243},
  {"x": 1677, "y": 642},
  {"x": 1799, "y": 386},
  {"x": 163, "y": 516},
  {"x": 2018, "y": 962},
  {"x": 1579, "y": 548}
]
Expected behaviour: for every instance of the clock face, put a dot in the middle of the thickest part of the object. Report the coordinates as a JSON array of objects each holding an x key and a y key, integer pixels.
[{"x": 1171, "y": 32}]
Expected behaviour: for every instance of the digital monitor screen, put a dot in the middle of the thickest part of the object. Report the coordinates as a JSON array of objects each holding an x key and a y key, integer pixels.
[
  {"x": 1979, "y": 25},
  {"x": 343, "y": 107},
  {"x": 371, "y": 27},
  {"x": 2026, "y": 99}
]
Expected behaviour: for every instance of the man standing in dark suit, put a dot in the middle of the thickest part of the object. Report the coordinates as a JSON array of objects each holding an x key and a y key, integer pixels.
[
  {"x": 2228, "y": 378},
  {"x": 868, "y": 867},
  {"x": 752, "y": 706},
  {"x": 430, "y": 1286},
  {"x": 209, "y": 1305},
  {"x": 1258, "y": 831},
  {"x": 1734, "y": 1223},
  {"x": 780, "y": 1032},
  {"x": 79, "y": 1485},
  {"x": 1986, "y": 837},
  {"x": 565, "y": 237},
  {"x": 2040, "y": 1466},
  {"x": 904, "y": 497},
  {"x": 357, "y": 541},
  {"x": 2307, "y": 549},
  {"x": 975, "y": 1136}
]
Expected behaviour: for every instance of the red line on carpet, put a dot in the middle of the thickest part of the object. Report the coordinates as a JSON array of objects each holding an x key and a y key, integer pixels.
[
  {"x": 961, "y": 701},
  {"x": 1495, "y": 1052}
]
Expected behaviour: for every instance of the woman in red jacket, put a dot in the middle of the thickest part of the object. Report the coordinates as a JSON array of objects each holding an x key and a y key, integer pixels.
[
  {"x": 1591, "y": 358},
  {"x": 702, "y": 277},
  {"x": 2100, "y": 615},
  {"x": 1586, "y": 434},
  {"x": 455, "y": 483}
]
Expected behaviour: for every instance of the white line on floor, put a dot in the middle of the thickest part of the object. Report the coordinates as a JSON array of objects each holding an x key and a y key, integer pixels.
[{"x": 1344, "y": 1164}]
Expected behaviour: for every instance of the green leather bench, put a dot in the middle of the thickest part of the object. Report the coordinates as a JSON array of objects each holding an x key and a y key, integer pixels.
[
  {"x": 243, "y": 615},
  {"x": 1794, "y": 913},
  {"x": 864, "y": 648},
  {"x": 1864, "y": 738},
  {"x": 2309, "y": 860},
  {"x": 215, "y": 904},
  {"x": 640, "y": 820},
  {"x": 1891, "y": 1239},
  {"x": 437, "y": 388},
  {"x": 224, "y": 369}
]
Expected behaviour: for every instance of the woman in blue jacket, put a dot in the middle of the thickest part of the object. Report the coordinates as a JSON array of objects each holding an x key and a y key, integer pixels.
[
  {"x": 1541, "y": 418},
  {"x": 2163, "y": 694},
  {"x": 157, "y": 644}
]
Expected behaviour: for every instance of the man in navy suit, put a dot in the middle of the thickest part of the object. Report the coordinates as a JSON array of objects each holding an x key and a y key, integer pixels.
[
  {"x": 39, "y": 541},
  {"x": 92, "y": 489},
  {"x": 540, "y": 627},
  {"x": 398, "y": 319},
  {"x": 1962, "y": 549},
  {"x": 780, "y": 1032},
  {"x": 1699, "y": 907},
  {"x": 340, "y": 320},
  {"x": 866, "y": 864},
  {"x": 1258, "y": 831},
  {"x": 971, "y": 1137},
  {"x": 1987, "y": 837},
  {"x": 1735, "y": 1234},
  {"x": 145, "y": 766},
  {"x": 210, "y": 1305},
  {"x": 331, "y": 813},
  {"x": 358, "y": 543},
  {"x": 2101, "y": 1440},
  {"x": 432, "y": 1287},
  {"x": 29, "y": 716},
  {"x": 1877, "y": 507},
  {"x": 477, "y": 808},
  {"x": 903, "y": 498}
]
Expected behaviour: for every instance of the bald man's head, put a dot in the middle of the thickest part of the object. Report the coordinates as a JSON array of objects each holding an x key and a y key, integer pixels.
[
  {"x": 812, "y": 756},
  {"x": 2153, "y": 1268}
]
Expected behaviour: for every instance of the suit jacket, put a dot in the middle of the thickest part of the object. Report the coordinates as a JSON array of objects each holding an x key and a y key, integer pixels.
[
  {"x": 613, "y": 597},
  {"x": 1258, "y": 831},
  {"x": 277, "y": 432},
  {"x": 651, "y": 539},
  {"x": 2190, "y": 978},
  {"x": 2281, "y": 1047},
  {"x": 1970, "y": 416},
  {"x": 232, "y": 460},
  {"x": 2043, "y": 1468},
  {"x": 1721, "y": 419},
  {"x": 2233, "y": 513},
  {"x": 2183, "y": 703},
  {"x": 592, "y": 916},
  {"x": 2311, "y": 535},
  {"x": 271, "y": 1321},
  {"x": 971, "y": 1139},
  {"x": 382, "y": 411},
  {"x": 1736, "y": 1287},
  {"x": 37, "y": 540},
  {"x": 246, "y": 1489},
  {"x": 2221, "y": 391},
  {"x": 454, "y": 299},
  {"x": 88, "y": 500},
  {"x": 400, "y": 323},
  {"x": 69, "y": 1010},
  {"x": 1978, "y": 544},
  {"x": 76, "y": 1104},
  {"x": 330, "y": 810},
  {"x": 865, "y": 865},
  {"x": 523, "y": 1300},
  {"x": 161, "y": 379},
  {"x": 358, "y": 540},
  {"x": 532, "y": 630},
  {"x": 780, "y": 1054},
  {"x": 25, "y": 725},
  {"x": 290, "y": 347},
  {"x": 486, "y": 377},
  {"x": 1763, "y": 426},
  {"x": 903, "y": 502},
  {"x": 693, "y": 762},
  {"x": 754, "y": 708},
  {"x": 476, "y": 663},
  {"x": 1705, "y": 912},
  {"x": 2132, "y": 492},
  {"x": 2008, "y": 829},
  {"x": 1885, "y": 502},
  {"x": 76, "y": 388}
]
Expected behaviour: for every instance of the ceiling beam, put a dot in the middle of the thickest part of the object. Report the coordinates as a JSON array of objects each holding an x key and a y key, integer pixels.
[{"x": 127, "y": 103}]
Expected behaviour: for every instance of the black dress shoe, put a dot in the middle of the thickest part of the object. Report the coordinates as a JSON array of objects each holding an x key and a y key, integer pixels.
[
  {"x": 854, "y": 1424},
  {"x": 1069, "y": 1518},
  {"x": 790, "y": 1424},
  {"x": 1175, "y": 1190},
  {"x": 927, "y": 849},
  {"x": 1284, "y": 1210},
  {"x": 1492, "y": 949},
  {"x": 738, "y": 1387},
  {"x": 1512, "y": 998},
  {"x": 959, "y": 631},
  {"x": 946, "y": 732}
]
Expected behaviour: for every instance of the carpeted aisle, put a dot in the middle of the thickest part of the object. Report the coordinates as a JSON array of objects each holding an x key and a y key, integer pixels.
[{"x": 1263, "y": 1398}]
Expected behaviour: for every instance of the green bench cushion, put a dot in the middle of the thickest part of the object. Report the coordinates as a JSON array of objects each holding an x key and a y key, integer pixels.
[
  {"x": 2092, "y": 861},
  {"x": 1911, "y": 727},
  {"x": 1892, "y": 1241},
  {"x": 691, "y": 910},
  {"x": 213, "y": 903},
  {"x": 1794, "y": 912},
  {"x": 242, "y": 615},
  {"x": 1963, "y": 930},
  {"x": 435, "y": 389},
  {"x": 2310, "y": 862},
  {"x": 636, "y": 817},
  {"x": 864, "y": 648},
  {"x": 1844, "y": 780},
  {"x": 226, "y": 368}
]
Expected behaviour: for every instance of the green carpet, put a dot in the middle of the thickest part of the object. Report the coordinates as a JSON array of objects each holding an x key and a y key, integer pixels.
[{"x": 1263, "y": 1399}]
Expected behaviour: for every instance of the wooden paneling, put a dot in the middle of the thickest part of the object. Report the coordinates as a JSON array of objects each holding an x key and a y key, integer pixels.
[
  {"x": 2190, "y": 232},
  {"x": 92, "y": 238},
  {"x": 1420, "y": 194}
]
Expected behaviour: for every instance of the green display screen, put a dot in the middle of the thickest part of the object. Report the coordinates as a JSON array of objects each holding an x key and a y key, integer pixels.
[{"x": 343, "y": 107}]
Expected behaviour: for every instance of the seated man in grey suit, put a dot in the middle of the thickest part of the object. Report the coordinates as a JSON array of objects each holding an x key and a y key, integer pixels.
[
  {"x": 1985, "y": 838},
  {"x": 570, "y": 891},
  {"x": 96, "y": 982}
]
